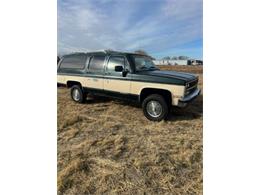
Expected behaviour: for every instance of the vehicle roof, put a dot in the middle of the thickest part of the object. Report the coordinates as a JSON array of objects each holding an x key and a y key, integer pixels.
[{"x": 104, "y": 52}]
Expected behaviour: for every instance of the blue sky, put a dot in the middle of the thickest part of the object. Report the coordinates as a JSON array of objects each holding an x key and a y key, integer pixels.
[{"x": 160, "y": 27}]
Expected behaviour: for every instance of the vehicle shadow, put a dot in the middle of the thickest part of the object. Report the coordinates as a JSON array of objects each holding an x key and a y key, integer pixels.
[
  {"x": 91, "y": 99},
  {"x": 193, "y": 110}
]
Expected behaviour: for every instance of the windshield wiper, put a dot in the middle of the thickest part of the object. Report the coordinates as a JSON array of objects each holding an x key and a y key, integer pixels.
[
  {"x": 153, "y": 68},
  {"x": 143, "y": 67},
  {"x": 146, "y": 68}
]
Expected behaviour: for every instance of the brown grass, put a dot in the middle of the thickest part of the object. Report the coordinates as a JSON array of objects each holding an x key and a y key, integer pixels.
[{"x": 106, "y": 146}]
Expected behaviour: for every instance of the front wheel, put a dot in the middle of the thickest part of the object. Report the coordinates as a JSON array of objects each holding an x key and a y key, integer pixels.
[
  {"x": 77, "y": 94},
  {"x": 155, "y": 107}
]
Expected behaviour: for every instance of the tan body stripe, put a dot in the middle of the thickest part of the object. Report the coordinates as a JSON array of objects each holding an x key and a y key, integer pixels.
[{"x": 123, "y": 86}]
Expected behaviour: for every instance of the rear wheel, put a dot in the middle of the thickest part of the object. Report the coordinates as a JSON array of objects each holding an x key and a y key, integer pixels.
[
  {"x": 155, "y": 107},
  {"x": 77, "y": 94}
]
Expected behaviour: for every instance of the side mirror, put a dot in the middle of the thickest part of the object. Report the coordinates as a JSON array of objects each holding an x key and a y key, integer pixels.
[
  {"x": 124, "y": 73},
  {"x": 119, "y": 68}
]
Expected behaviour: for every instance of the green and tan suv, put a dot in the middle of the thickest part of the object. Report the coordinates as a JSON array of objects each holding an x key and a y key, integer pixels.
[{"x": 129, "y": 77}]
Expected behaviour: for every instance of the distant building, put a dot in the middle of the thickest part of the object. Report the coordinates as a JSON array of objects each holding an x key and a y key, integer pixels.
[
  {"x": 178, "y": 62},
  {"x": 196, "y": 62}
]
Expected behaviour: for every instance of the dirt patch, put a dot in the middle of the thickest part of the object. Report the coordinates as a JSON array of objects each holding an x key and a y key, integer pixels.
[{"x": 107, "y": 146}]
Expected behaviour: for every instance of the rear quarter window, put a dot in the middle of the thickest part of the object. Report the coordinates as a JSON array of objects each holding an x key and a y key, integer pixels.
[{"x": 73, "y": 62}]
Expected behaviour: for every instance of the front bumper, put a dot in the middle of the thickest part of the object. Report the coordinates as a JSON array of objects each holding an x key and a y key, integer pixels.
[{"x": 183, "y": 102}]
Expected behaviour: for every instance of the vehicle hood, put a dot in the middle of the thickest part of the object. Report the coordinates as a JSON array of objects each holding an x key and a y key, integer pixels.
[{"x": 170, "y": 74}]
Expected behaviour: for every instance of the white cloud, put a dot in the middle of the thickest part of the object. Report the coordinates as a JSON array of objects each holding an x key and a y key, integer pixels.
[{"x": 121, "y": 25}]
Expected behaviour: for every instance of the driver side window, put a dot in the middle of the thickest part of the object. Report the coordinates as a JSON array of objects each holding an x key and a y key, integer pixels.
[{"x": 115, "y": 61}]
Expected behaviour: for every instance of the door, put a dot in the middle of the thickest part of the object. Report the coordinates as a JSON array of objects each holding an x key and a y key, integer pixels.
[
  {"x": 95, "y": 73},
  {"x": 115, "y": 83}
]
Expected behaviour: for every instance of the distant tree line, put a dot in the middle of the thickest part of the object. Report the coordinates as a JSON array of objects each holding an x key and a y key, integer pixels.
[
  {"x": 176, "y": 58},
  {"x": 140, "y": 51}
]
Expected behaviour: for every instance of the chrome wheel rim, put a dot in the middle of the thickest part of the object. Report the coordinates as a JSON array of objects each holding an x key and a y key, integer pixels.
[
  {"x": 154, "y": 108},
  {"x": 76, "y": 94}
]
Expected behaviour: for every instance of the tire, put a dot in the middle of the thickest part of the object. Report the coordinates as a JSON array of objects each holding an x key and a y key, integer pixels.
[
  {"x": 77, "y": 94},
  {"x": 155, "y": 107}
]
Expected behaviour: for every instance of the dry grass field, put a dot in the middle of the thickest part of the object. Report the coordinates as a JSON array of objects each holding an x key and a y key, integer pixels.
[{"x": 109, "y": 147}]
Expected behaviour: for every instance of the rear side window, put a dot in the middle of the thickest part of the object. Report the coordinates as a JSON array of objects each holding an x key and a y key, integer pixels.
[
  {"x": 96, "y": 63},
  {"x": 74, "y": 62}
]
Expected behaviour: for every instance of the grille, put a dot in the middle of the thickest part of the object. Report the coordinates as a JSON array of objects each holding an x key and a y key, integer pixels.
[
  {"x": 192, "y": 87},
  {"x": 193, "y": 83}
]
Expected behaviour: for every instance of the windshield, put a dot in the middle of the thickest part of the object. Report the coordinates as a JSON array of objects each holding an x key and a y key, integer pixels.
[{"x": 143, "y": 63}]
